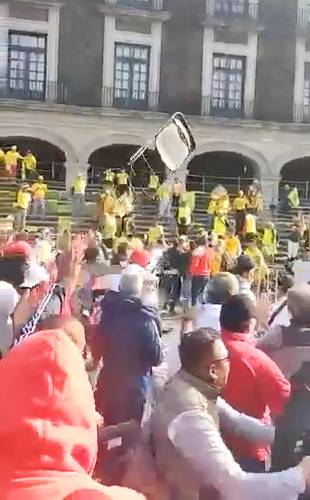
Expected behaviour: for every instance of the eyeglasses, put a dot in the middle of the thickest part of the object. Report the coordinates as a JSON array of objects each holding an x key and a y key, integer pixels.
[{"x": 227, "y": 358}]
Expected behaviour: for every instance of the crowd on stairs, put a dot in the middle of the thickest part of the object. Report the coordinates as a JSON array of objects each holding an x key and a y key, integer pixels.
[{"x": 89, "y": 396}]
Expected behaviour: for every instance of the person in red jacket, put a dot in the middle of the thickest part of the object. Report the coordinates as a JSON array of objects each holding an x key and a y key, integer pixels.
[
  {"x": 200, "y": 268},
  {"x": 48, "y": 426},
  {"x": 255, "y": 386}
]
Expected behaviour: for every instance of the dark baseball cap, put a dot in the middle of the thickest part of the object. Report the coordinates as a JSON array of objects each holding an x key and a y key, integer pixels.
[{"x": 244, "y": 264}]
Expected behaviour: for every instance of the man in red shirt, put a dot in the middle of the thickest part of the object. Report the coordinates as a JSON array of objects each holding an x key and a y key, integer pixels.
[
  {"x": 200, "y": 268},
  {"x": 256, "y": 386}
]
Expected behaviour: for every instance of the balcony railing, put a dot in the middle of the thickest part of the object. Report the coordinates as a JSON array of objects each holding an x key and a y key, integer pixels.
[
  {"x": 53, "y": 92},
  {"x": 218, "y": 8},
  {"x": 246, "y": 111},
  {"x": 303, "y": 18},
  {"x": 110, "y": 100},
  {"x": 137, "y": 4},
  {"x": 302, "y": 113}
]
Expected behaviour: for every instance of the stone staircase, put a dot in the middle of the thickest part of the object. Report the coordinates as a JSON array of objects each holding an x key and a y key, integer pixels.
[{"x": 59, "y": 205}]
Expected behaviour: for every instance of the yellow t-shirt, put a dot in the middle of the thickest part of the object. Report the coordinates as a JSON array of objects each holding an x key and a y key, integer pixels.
[
  {"x": 154, "y": 234},
  {"x": 79, "y": 185},
  {"x": 186, "y": 214},
  {"x": 23, "y": 199},
  {"x": 153, "y": 182},
  {"x": 232, "y": 245},
  {"x": 219, "y": 226},
  {"x": 30, "y": 162},
  {"x": 11, "y": 158},
  {"x": 109, "y": 227},
  {"x": 2, "y": 156},
  {"x": 163, "y": 192},
  {"x": 250, "y": 224},
  {"x": 122, "y": 179},
  {"x": 39, "y": 190},
  {"x": 240, "y": 203}
]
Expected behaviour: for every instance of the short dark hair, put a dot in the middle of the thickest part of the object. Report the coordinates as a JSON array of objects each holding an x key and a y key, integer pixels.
[
  {"x": 194, "y": 345},
  {"x": 236, "y": 313}
]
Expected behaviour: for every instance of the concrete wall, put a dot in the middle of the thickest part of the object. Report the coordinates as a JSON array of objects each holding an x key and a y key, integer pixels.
[
  {"x": 276, "y": 61},
  {"x": 182, "y": 47},
  {"x": 81, "y": 51}
]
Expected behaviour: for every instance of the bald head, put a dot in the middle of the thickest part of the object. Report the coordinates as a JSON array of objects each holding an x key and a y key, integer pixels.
[{"x": 69, "y": 325}]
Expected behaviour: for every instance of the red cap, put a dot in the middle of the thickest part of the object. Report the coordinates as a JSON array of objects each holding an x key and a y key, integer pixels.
[
  {"x": 141, "y": 258},
  {"x": 17, "y": 248}
]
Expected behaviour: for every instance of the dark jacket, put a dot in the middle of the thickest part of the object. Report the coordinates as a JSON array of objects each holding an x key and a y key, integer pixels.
[
  {"x": 128, "y": 338},
  {"x": 289, "y": 347},
  {"x": 289, "y": 429}
]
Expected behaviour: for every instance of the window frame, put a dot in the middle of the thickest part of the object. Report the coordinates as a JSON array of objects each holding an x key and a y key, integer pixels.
[
  {"x": 130, "y": 102},
  {"x": 26, "y": 93},
  {"x": 226, "y": 110}
]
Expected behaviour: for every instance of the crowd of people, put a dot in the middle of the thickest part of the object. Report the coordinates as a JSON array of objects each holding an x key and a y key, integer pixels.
[{"x": 135, "y": 362}]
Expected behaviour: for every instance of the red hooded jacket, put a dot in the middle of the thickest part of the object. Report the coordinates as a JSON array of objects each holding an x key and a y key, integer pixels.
[
  {"x": 256, "y": 387},
  {"x": 48, "y": 434}
]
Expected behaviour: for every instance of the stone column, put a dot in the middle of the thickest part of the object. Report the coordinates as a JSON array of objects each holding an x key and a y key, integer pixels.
[
  {"x": 73, "y": 168},
  {"x": 270, "y": 190}
]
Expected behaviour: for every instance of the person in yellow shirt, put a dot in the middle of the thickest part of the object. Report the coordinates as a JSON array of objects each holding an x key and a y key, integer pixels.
[
  {"x": 154, "y": 233},
  {"x": 250, "y": 224},
  {"x": 220, "y": 225},
  {"x": 293, "y": 198},
  {"x": 269, "y": 241},
  {"x": 29, "y": 165},
  {"x": 232, "y": 244},
  {"x": 22, "y": 207},
  {"x": 122, "y": 180},
  {"x": 184, "y": 218},
  {"x": 189, "y": 197},
  {"x": 2, "y": 156},
  {"x": 109, "y": 178},
  {"x": 78, "y": 196},
  {"x": 240, "y": 206},
  {"x": 109, "y": 230},
  {"x": 11, "y": 161},
  {"x": 223, "y": 204},
  {"x": 153, "y": 182},
  {"x": 177, "y": 190},
  {"x": 164, "y": 196},
  {"x": 252, "y": 251},
  {"x": 39, "y": 190}
]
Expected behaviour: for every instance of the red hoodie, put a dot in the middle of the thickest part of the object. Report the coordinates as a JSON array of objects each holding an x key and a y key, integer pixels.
[
  {"x": 256, "y": 387},
  {"x": 48, "y": 434},
  {"x": 201, "y": 260}
]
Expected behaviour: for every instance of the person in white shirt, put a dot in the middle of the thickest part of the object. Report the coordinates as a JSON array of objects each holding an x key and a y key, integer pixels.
[
  {"x": 9, "y": 299},
  {"x": 189, "y": 450},
  {"x": 222, "y": 286}
]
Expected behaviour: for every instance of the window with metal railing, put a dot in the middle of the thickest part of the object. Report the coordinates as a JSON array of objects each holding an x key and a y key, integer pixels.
[
  {"x": 27, "y": 65},
  {"x": 233, "y": 8},
  {"x": 137, "y": 4},
  {"x": 228, "y": 85},
  {"x": 131, "y": 76}
]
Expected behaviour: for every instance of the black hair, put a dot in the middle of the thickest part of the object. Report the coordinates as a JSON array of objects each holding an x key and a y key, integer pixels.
[
  {"x": 13, "y": 269},
  {"x": 91, "y": 254},
  {"x": 194, "y": 345},
  {"x": 236, "y": 314}
]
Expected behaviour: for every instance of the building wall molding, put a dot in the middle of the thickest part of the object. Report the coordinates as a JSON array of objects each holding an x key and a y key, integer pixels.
[
  {"x": 110, "y": 139},
  {"x": 249, "y": 51},
  {"x": 44, "y": 134},
  {"x": 112, "y": 36},
  {"x": 295, "y": 153},
  {"x": 263, "y": 166},
  {"x": 49, "y": 28}
]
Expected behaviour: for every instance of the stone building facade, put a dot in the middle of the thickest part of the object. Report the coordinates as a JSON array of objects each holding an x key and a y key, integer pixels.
[{"x": 81, "y": 79}]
